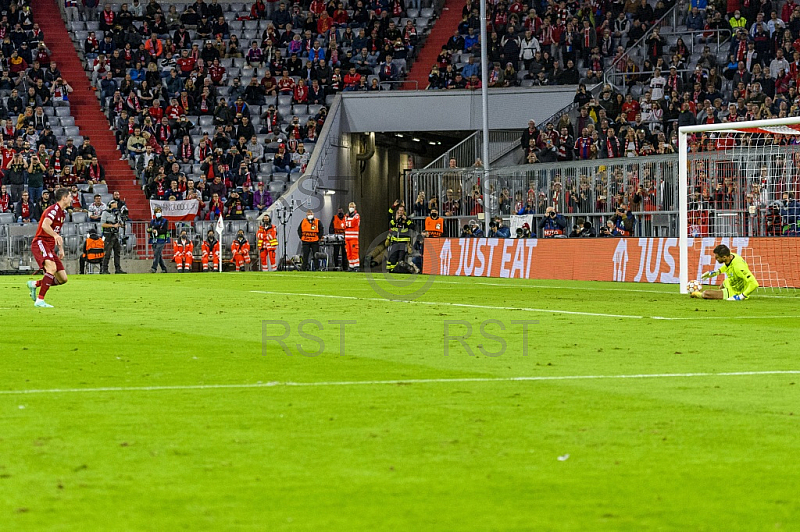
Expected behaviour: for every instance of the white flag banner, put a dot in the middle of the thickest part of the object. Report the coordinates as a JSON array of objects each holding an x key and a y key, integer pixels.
[
  {"x": 220, "y": 228},
  {"x": 518, "y": 220},
  {"x": 176, "y": 211}
]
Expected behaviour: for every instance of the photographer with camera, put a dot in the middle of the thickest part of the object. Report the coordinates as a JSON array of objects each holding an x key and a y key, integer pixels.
[
  {"x": 553, "y": 224},
  {"x": 159, "y": 229},
  {"x": 111, "y": 222},
  {"x": 36, "y": 171},
  {"x": 623, "y": 221}
]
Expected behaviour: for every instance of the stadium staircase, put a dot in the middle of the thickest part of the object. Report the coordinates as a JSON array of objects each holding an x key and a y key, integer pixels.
[
  {"x": 85, "y": 108},
  {"x": 441, "y": 31}
]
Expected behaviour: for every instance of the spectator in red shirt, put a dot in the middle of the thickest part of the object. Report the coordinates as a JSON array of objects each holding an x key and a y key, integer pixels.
[
  {"x": 300, "y": 94},
  {"x": 286, "y": 84},
  {"x": 175, "y": 111},
  {"x": 352, "y": 79},
  {"x": 324, "y": 24},
  {"x": 5, "y": 199},
  {"x": 217, "y": 73},
  {"x": 185, "y": 63}
]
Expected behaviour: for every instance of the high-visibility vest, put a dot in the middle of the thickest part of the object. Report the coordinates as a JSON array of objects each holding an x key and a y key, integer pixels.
[
  {"x": 266, "y": 238},
  {"x": 240, "y": 247},
  {"x": 309, "y": 231},
  {"x": 338, "y": 225},
  {"x": 433, "y": 227},
  {"x": 352, "y": 223},
  {"x": 181, "y": 249},
  {"x": 95, "y": 249},
  {"x": 399, "y": 231}
]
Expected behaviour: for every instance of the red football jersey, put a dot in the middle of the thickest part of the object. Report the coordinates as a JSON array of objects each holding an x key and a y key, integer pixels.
[{"x": 57, "y": 215}]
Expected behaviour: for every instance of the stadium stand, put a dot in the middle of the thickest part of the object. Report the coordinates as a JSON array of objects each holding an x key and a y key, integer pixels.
[
  {"x": 659, "y": 65},
  {"x": 216, "y": 97},
  {"x": 246, "y": 110}
]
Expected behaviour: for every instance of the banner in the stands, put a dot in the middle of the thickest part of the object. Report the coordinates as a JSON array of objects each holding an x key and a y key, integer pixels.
[{"x": 176, "y": 211}]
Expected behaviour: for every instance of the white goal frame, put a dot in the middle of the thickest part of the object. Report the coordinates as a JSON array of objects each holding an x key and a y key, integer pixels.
[{"x": 777, "y": 124}]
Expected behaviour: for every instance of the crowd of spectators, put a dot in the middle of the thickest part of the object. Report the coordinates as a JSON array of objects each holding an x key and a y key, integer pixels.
[
  {"x": 199, "y": 112},
  {"x": 753, "y": 76},
  {"x": 543, "y": 43},
  {"x": 35, "y": 156}
]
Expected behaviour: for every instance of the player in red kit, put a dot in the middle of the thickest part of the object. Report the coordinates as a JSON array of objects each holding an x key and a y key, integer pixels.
[{"x": 47, "y": 239}]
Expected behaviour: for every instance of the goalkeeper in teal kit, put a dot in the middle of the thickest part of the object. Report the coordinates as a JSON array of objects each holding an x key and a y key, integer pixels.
[{"x": 739, "y": 281}]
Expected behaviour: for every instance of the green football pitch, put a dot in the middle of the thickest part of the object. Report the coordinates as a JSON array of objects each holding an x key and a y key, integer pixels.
[{"x": 242, "y": 402}]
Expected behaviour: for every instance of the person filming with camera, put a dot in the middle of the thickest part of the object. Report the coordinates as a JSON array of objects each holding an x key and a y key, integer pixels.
[
  {"x": 553, "y": 224},
  {"x": 111, "y": 223},
  {"x": 623, "y": 220}
]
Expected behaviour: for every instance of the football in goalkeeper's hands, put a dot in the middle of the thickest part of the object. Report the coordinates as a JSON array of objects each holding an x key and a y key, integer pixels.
[{"x": 694, "y": 286}]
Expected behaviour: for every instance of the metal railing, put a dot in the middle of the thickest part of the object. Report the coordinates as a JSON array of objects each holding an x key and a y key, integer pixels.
[
  {"x": 625, "y": 75},
  {"x": 669, "y": 19},
  {"x": 136, "y": 241},
  {"x": 467, "y": 152},
  {"x": 570, "y": 109},
  {"x": 727, "y": 33},
  {"x": 401, "y": 83},
  {"x": 592, "y": 190}
]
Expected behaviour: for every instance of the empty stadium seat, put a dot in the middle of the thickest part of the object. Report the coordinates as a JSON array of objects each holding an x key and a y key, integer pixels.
[{"x": 276, "y": 188}]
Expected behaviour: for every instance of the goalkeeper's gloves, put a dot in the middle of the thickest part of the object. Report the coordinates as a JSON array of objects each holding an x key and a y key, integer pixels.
[
  {"x": 710, "y": 274},
  {"x": 737, "y": 297}
]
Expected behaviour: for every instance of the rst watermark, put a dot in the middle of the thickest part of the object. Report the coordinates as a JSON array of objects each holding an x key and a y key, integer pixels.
[
  {"x": 403, "y": 282},
  {"x": 276, "y": 332},
  {"x": 310, "y": 191},
  {"x": 492, "y": 330}
]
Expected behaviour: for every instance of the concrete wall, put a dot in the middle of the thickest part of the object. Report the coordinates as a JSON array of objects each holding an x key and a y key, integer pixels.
[
  {"x": 397, "y": 111},
  {"x": 335, "y": 165}
]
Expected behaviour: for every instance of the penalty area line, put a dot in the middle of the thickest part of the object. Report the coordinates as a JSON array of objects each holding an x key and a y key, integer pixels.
[
  {"x": 455, "y": 380},
  {"x": 526, "y": 309},
  {"x": 449, "y": 304}
]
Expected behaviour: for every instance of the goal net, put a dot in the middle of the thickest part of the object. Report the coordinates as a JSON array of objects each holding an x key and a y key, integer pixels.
[{"x": 739, "y": 186}]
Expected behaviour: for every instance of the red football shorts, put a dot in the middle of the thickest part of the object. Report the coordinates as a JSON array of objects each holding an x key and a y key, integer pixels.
[{"x": 43, "y": 251}]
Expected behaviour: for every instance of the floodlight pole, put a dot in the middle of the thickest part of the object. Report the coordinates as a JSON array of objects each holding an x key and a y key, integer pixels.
[{"x": 485, "y": 114}]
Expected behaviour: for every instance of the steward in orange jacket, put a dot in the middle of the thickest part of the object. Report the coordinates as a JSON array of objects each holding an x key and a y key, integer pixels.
[
  {"x": 433, "y": 225},
  {"x": 93, "y": 250},
  {"x": 310, "y": 232},
  {"x": 240, "y": 249},
  {"x": 182, "y": 250},
  {"x": 267, "y": 243},
  {"x": 210, "y": 252}
]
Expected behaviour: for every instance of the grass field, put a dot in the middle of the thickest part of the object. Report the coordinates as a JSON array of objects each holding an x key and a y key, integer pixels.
[{"x": 154, "y": 403}]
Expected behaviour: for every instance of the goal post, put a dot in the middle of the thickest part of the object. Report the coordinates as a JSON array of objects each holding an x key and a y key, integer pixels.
[{"x": 732, "y": 176}]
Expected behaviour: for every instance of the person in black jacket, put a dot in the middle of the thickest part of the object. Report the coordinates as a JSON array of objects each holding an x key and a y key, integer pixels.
[
  {"x": 14, "y": 177},
  {"x": 399, "y": 239}
]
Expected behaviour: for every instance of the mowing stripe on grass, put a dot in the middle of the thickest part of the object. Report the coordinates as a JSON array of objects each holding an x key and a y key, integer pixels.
[
  {"x": 449, "y": 304},
  {"x": 669, "y": 289},
  {"x": 454, "y": 380}
]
